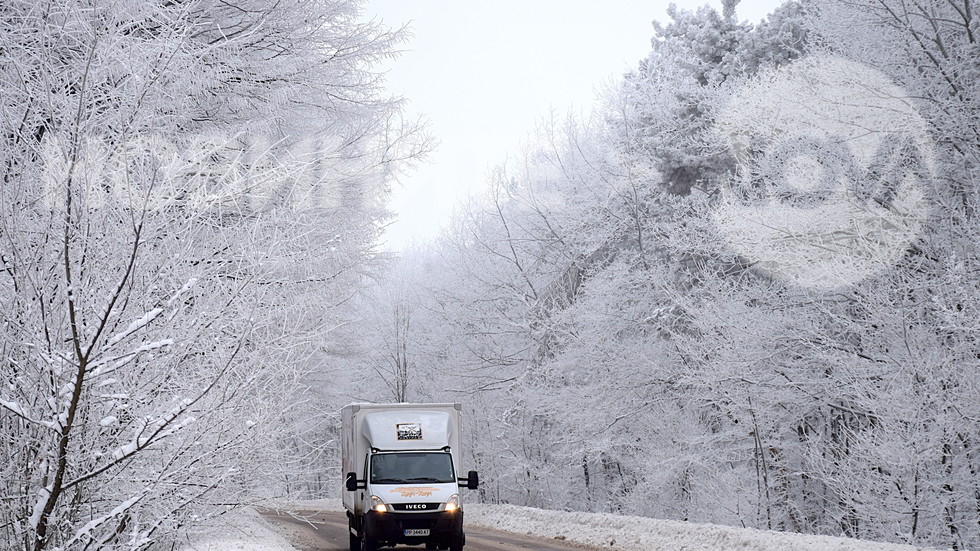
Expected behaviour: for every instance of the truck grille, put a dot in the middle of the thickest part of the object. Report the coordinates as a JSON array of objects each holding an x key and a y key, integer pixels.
[{"x": 416, "y": 507}]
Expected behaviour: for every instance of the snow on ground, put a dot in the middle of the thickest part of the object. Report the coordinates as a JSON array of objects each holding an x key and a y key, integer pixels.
[
  {"x": 625, "y": 533},
  {"x": 241, "y": 530},
  {"x": 245, "y": 530},
  {"x": 334, "y": 505}
]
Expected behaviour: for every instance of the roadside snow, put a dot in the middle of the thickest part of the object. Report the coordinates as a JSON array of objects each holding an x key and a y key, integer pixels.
[
  {"x": 625, "y": 533},
  {"x": 331, "y": 505},
  {"x": 245, "y": 530},
  {"x": 241, "y": 530}
]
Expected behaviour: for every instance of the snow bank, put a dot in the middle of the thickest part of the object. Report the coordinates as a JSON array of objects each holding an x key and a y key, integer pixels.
[
  {"x": 245, "y": 530},
  {"x": 624, "y": 533},
  {"x": 285, "y": 504},
  {"x": 241, "y": 530}
]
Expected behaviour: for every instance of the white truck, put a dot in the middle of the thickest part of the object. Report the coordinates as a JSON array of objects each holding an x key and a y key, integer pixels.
[{"x": 401, "y": 484}]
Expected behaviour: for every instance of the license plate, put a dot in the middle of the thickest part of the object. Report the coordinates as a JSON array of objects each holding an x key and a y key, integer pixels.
[{"x": 417, "y": 532}]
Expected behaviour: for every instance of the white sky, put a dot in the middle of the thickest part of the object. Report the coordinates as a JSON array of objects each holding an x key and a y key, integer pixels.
[{"x": 483, "y": 73}]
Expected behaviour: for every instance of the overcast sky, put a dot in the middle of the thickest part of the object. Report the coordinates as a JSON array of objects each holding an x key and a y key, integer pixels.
[{"x": 483, "y": 73}]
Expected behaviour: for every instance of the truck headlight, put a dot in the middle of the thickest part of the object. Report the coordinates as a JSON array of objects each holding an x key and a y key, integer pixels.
[
  {"x": 378, "y": 505},
  {"x": 453, "y": 502}
]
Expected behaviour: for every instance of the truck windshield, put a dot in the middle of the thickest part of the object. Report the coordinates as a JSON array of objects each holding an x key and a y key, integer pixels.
[{"x": 414, "y": 467}]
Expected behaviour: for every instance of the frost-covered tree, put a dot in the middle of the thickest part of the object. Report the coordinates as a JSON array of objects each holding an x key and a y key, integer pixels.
[
  {"x": 559, "y": 282},
  {"x": 190, "y": 190},
  {"x": 915, "y": 321},
  {"x": 630, "y": 350}
]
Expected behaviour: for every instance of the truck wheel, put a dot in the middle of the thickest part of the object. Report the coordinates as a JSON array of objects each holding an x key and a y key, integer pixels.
[
  {"x": 456, "y": 544},
  {"x": 369, "y": 544},
  {"x": 355, "y": 538}
]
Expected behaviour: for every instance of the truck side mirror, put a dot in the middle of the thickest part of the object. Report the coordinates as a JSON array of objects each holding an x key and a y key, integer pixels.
[
  {"x": 472, "y": 480},
  {"x": 351, "y": 482}
]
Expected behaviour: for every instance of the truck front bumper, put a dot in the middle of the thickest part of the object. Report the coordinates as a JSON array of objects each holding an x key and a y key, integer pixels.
[{"x": 398, "y": 527}]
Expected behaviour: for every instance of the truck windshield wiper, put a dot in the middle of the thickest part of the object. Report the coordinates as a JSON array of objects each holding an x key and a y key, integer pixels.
[
  {"x": 389, "y": 481},
  {"x": 424, "y": 479}
]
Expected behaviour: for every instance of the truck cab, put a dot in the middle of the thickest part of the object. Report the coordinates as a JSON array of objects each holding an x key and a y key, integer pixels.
[{"x": 402, "y": 484}]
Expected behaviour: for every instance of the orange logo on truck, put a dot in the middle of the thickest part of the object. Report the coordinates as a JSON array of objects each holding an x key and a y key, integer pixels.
[{"x": 415, "y": 491}]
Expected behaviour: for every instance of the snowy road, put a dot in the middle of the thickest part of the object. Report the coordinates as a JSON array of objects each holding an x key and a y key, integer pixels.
[
  {"x": 320, "y": 525},
  {"x": 327, "y": 531}
]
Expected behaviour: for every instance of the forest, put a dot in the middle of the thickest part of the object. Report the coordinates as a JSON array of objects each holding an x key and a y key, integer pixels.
[{"x": 743, "y": 290}]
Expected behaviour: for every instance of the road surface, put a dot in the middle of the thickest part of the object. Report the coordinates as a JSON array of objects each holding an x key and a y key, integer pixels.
[{"x": 327, "y": 531}]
